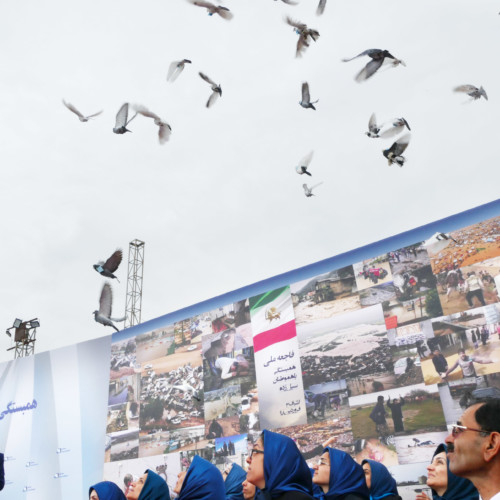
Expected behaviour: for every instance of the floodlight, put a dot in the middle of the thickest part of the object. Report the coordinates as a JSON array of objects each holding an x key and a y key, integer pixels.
[
  {"x": 8, "y": 333},
  {"x": 17, "y": 323},
  {"x": 34, "y": 323}
]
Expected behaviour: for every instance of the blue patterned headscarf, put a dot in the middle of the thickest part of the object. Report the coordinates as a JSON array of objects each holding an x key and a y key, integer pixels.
[
  {"x": 458, "y": 488},
  {"x": 284, "y": 466},
  {"x": 382, "y": 484},
  {"x": 233, "y": 483},
  {"x": 106, "y": 490},
  {"x": 346, "y": 476},
  {"x": 203, "y": 481}
]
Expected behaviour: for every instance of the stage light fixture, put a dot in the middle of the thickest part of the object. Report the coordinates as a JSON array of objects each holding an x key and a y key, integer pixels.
[
  {"x": 17, "y": 323},
  {"x": 34, "y": 323}
]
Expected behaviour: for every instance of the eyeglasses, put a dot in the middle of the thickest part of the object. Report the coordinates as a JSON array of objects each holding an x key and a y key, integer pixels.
[
  {"x": 456, "y": 430},
  {"x": 322, "y": 461},
  {"x": 255, "y": 451}
]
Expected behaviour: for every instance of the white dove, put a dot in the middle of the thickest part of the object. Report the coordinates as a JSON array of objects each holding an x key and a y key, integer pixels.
[
  {"x": 308, "y": 190},
  {"x": 81, "y": 117},
  {"x": 103, "y": 315},
  {"x": 175, "y": 69},
  {"x": 165, "y": 129}
]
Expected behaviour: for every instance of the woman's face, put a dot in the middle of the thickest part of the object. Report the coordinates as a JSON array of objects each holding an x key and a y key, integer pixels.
[
  {"x": 180, "y": 480},
  {"x": 94, "y": 495},
  {"x": 368, "y": 474},
  {"x": 322, "y": 472},
  {"x": 136, "y": 487},
  {"x": 255, "y": 463},
  {"x": 248, "y": 490},
  {"x": 437, "y": 473}
]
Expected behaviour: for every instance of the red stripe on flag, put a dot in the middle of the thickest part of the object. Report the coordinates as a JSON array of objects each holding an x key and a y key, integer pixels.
[{"x": 279, "y": 334}]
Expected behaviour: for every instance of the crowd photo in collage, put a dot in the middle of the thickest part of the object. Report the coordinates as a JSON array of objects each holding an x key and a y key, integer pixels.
[{"x": 376, "y": 359}]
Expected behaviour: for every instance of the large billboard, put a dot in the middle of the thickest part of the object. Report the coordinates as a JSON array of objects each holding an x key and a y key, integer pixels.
[{"x": 377, "y": 350}]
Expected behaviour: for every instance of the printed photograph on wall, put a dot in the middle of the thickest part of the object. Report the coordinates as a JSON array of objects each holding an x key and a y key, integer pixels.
[
  {"x": 327, "y": 401},
  {"x": 407, "y": 364},
  {"x": 123, "y": 359},
  {"x": 411, "y": 479},
  {"x": 380, "y": 450},
  {"x": 229, "y": 448},
  {"x": 222, "y": 410},
  {"x": 466, "y": 246},
  {"x": 372, "y": 272},
  {"x": 155, "y": 344},
  {"x": 352, "y": 346},
  {"x": 377, "y": 294},
  {"x": 325, "y": 296},
  {"x": 418, "y": 448},
  {"x": 124, "y": 445},
  {"x": 408, "y": 259},
  {"x": 157, "y": 442}
]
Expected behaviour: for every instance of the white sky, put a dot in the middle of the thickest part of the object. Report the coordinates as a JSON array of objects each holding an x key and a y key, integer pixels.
[{"x": 220, "y": 206}]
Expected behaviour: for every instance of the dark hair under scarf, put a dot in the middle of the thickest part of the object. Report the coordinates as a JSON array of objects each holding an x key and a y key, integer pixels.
[
  {"x": 382, "y": 483},
  {"x": 284, "y": 466},
  {"x": 233, "y": 483},
  {"x": 346, "y": 476},
  {"x": 458, "y": 488},
  {"x": 155, "y": 487},
  {"x": 106, "y": 490},
  {"x": 203, "y": 481}
]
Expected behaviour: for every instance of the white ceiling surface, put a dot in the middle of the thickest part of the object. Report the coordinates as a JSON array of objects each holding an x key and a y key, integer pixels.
[{"x": 220, "y": 206}]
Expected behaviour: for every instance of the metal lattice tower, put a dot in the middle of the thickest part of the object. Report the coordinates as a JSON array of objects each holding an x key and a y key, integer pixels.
[
  {"x": 133, "y": 303},
  {"x": 24, "y": 337}
]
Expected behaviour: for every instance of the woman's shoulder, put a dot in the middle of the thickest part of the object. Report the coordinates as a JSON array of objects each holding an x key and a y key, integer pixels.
[{"x": 295, "y": 495}]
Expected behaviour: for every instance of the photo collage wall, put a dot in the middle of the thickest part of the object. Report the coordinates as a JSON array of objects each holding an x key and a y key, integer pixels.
[{"x": 376, "y": 358}]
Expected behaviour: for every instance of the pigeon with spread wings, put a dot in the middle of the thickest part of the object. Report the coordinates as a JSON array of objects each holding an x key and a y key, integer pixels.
[
  {"x": 397, "y": 125},
  {"x": 122, "y": 120},
  {"x": 308, "y": 190},
  {"x": 175, "y": 69},
  {"x": 103, "y": 315},
  {"x": 306, "y": 97},
  {"x": 81, "y": 117},
  {"x": 216, "y": 89},
  {"x": 304, "y": 164},
  {"x": 165, "y": 130},
  {"x": 472, "y": 91},
  {"x": 304, "y": 33},
  {"x": 107, "y": 268},
  {"x": 321, "y": 7},
  {"x": 377, "y": 57},
  {"x": 394, "y": 154},
  {"x": 212, "y": 9}
]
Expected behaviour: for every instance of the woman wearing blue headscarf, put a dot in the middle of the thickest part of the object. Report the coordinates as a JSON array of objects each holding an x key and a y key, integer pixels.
[
  {"x": 150, "y": 486},
  {"x": 202, "y": 481},
  {"x": 445, "y": 485},
  {"x": 234, "y": 483},
  {"x": 105, "y": 490},
  {"x": 340, "y": 477},
  {"x": 278, "y": 469},
  {"x": 379, "y": 481}
]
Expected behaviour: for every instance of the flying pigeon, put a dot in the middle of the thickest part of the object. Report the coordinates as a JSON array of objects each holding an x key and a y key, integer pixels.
[
  {"x": 394, "y": 153},
  {"x": 304, "y": 163},
  {"x": 472, "y": 91},
  {"x": 304, "y": 34},
  {"x": 223, "y": 12},
  {"x": 289, "y": 2},
  {"x": 321, "y": 7},
  {"x": 164, "y": 128},
  {"x": 81, "y": 117},
  {"x": 306, "y": 98},
  {"x": 103, "y": 315},
  {"x": 308, "y": 190},
  {"x": 216, "y": 90},
  {"x": 110, "y": 266},
  {"x": 122, "y": 120},
  {"x": 175, "y": 69},
  {"x": 377, "y": 59},
  {"x": 373, "y": 128},
  {"x": 397, "y": 126}
]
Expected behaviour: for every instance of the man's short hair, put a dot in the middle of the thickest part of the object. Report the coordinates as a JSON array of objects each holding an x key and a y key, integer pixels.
[
  {"x": 380, "y": 398},
  {"x": 488, "y": 414}
]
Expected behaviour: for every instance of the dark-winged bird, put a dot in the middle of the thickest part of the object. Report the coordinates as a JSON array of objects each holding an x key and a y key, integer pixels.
[
  {"x": 373, "y": 128},
  {"x": 321, "y": 7},
  {"x": 301, "y": 168},
  {"x": 107, "y": 268},
  {"x": 122, "y": 120},
  {"x": 216, "y": 89},
  {"x": 304, "y": 34},
  {"x": 165, "y": 129},
  {"x": 395, "y": 153},
  {"x": 308, "y": 190},
  {"x": 377, "y": 59},
  {"x": 472, "y": 91},
  {"x": 223, "y": 12},
  {"x": 103, "y": 315},
  {"x": 306, "y": 97},
  {"x": 81, "y": 117},
  {"x": 175, "y": 69}
]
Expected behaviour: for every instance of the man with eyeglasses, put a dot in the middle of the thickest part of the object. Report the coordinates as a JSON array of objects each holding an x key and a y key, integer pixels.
[{"x": 474, "y": 447}]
